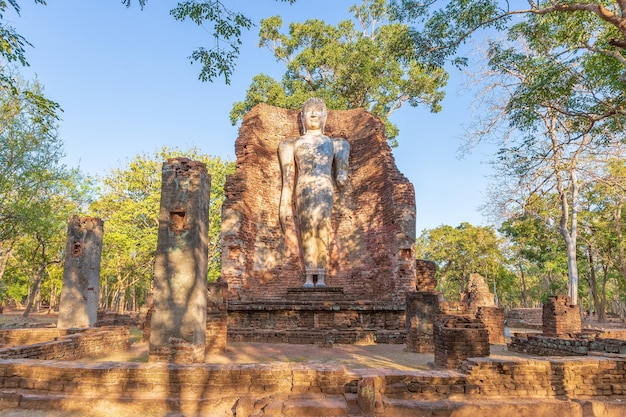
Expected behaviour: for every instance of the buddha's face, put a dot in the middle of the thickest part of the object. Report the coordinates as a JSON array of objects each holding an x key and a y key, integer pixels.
[{"x": 314, "y": 117}]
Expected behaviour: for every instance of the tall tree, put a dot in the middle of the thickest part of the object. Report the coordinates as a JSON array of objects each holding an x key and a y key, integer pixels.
[
  {"x": 442, "y": 30},
  {"x": 367, "y": 62},
  {"x": 560, "y": 108},
  {"x": 30, "y": 161}
]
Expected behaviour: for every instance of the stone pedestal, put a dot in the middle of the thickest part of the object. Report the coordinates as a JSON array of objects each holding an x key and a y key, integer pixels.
[
  {"x": 178, "y": 323},
  {"x": 78, "y": 306}
]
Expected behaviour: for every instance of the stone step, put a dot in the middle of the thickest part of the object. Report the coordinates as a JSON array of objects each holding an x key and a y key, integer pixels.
[{"x": 501, "y": 408}]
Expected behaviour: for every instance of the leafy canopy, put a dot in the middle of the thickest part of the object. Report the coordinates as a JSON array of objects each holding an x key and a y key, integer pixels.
[
  {"x": 224, "y": 25},
  {"x": 367, "y": 62}
]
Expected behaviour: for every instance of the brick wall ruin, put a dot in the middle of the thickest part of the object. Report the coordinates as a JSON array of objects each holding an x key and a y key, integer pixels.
[
  {"x": 524, "y": 318},
  {"x": 62, "y": 345},
  {"x": 560, "y": 317},
  {"x": 372, "y": 253},
  {"x": 458, "y": 338},
  {"x": 300, "y": 390}
]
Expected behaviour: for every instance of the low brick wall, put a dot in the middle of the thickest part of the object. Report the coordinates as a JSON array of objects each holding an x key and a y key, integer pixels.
[
  {"x": 73, "y": 345},
  {"x": 17, "y": 337},
  {"x": 458, "y": 338},
  {"x": 524, "y": 318},
  {"x": 203, "y": 389},
  {"x": 316, "y": 322},
  {"x": 545, "y": 345}
]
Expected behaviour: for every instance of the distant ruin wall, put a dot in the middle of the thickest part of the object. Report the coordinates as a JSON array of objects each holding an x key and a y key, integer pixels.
[{"x": 372, "y": 255}]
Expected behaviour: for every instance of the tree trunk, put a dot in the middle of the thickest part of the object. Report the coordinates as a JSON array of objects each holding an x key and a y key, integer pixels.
[
  {"x": 593, "y": 287},
  {"x": 5, "y": 253},
  {"x": 34, "y": 293},
  {"x": 523, "y": 282},
  {"x": 601, "y": 308}
]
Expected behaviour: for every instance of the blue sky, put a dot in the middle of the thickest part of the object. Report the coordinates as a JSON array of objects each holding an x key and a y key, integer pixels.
[{"x": 126, "y": 85}]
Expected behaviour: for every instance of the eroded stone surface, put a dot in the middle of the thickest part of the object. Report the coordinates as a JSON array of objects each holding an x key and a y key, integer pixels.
[
  {"x": 78, "y": 306},
  {"x": 371, "y": 254}
]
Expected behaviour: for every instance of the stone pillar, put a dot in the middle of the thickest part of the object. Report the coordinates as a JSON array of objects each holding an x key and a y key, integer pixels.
[
  {"x": 560, "y": 317},
  {"x": 78, "y": 306},
  {"x": 178, "y": 323},
  {"x": 458, "y": 338},
  {"x": 217, "y": 317},
  {"x": 422, "y": 308}
]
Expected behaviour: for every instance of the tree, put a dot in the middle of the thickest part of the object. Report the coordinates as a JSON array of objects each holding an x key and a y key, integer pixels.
[
  {"x": 445, "y": 29},
  {"x": 129, "y": 205},
  {"x": 13, "y": 51},
  {"x": 559, "y": 110},
  {"x": 365, "y": 63},
  {"x": 460, "y": 251},
  {"x": 227, "y": 26},
  {"x": 30, "y": 161}
]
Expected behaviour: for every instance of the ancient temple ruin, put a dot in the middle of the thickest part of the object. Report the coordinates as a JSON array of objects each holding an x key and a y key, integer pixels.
[{"x": 371, "y": 256}]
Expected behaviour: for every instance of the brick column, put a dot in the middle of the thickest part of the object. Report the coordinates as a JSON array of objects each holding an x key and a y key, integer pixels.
[
  {"x": 178, "y": 322},
  {"x": 560, "y": 317},
  {"x": 78, "y": 306}
]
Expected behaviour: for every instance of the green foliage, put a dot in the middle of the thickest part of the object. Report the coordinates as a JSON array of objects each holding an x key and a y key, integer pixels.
[
  {"x": 460, "y": 251},
  {"x": 367, "y": 62},
  {"x": 129, "y": 205},
  {"x": 226, "y": 29}
]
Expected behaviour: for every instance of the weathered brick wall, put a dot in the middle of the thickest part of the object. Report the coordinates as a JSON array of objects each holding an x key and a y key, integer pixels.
[
  {"x": 111, "y": 318},
  {"x": 372, "y": 254},
  {"x": 217, "y": 317},
  {"x": 425, "y": 271},
  {"x": 560, "y": 317},
  {"x": 457, "y": 338},
  {"x": 203, "y": 389},
  {"x": 524, "y": 318},
  {"x": 18, "y": 337},
  {"x": 493, "y": 320},
  {"x": 542, "y": 345},
  {"x": 320, "y": 322},
  {"x": 66, "y": 347}
]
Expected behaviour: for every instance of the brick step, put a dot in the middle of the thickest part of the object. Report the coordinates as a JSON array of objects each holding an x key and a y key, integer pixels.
[
  {"x": 283, "y": 405},
  {"x": 501, "y": 408},
  {"x": 318, "y": 336}
]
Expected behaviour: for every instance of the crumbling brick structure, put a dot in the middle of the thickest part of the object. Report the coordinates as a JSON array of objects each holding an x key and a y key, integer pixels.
[
  {"x": 425, "y": 271},
  {"x": 493, "y": 320},
  {"x": 371, "y": 256},
  {"x": 178, "y": 323},
  {"x": 560, "y": 317},
  {"x": 78, "y": 306},
  {"x": 458, "y": 338}
]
